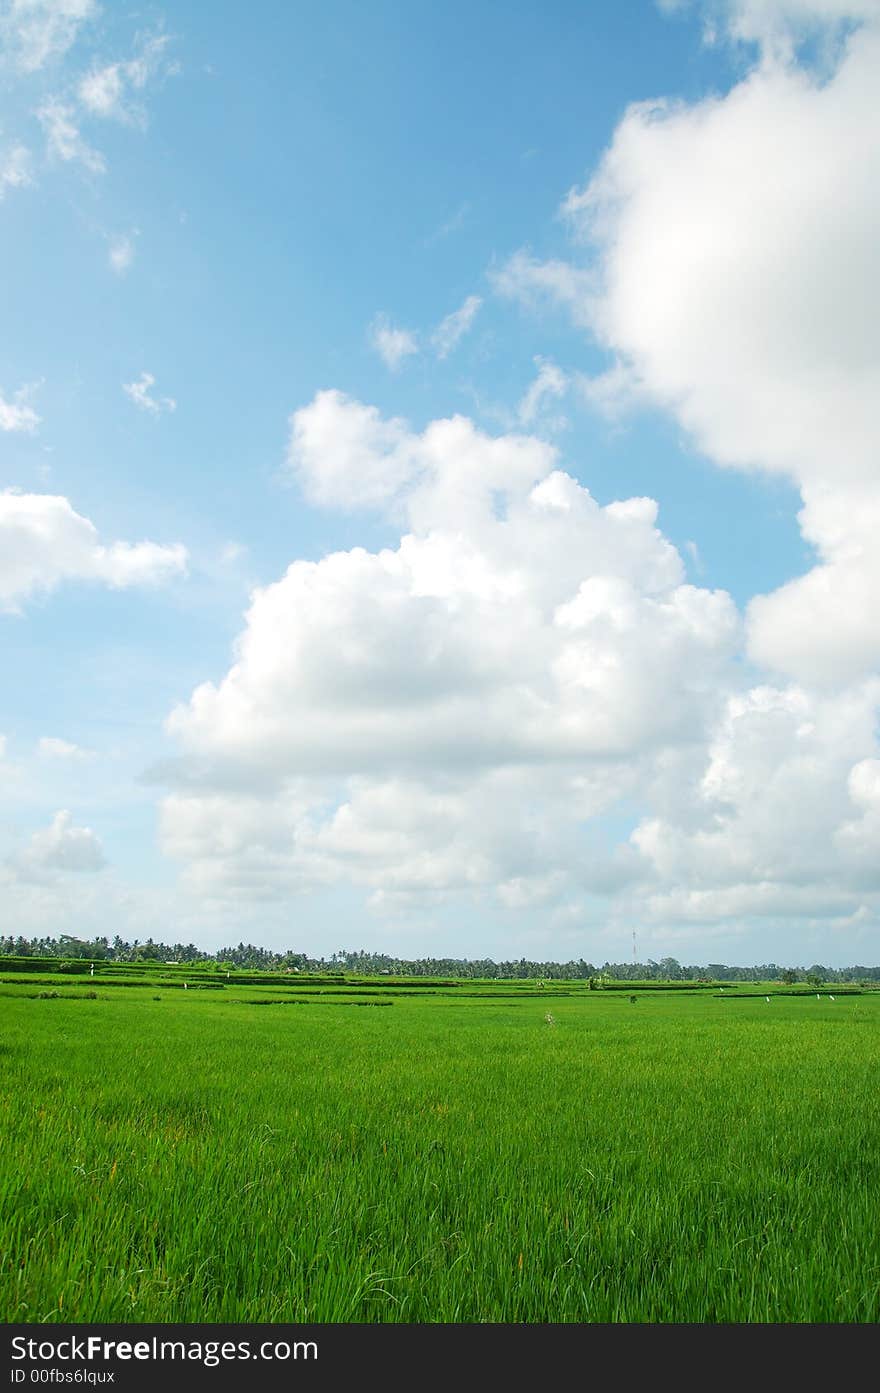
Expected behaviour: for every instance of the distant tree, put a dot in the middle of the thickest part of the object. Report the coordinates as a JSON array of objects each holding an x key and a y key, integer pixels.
[{"x": 147, "y": 952}]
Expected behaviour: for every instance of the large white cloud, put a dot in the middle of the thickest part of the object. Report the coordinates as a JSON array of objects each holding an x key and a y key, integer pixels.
[
  {"x": 463, "y": 711},
  {"x": 774, "y": 810},
  {"x": 44, "y": 542},
  {"x": 737, "y": 249},
  {"x": 732, "y": 247},
  {"x": 732, "y": 275},
  {"x": 401, "y": 716}
]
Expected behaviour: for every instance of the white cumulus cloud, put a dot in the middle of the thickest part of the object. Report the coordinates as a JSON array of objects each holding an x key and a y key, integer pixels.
[
  {"x": 343, "y": 454},
  {"x": 464, "y": 711},
  {"x": 733, "y": 279},
  {"x": 43, "y": 542},
  {"x": 443, "y": 715},
  {"x": 781, "y": 809}
]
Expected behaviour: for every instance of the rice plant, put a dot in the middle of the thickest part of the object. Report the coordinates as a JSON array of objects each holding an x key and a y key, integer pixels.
[{"x": 206, "y": 1157}]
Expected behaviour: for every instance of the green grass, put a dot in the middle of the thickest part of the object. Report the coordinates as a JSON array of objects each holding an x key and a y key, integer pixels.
[{"x": 453, "y": 1157}]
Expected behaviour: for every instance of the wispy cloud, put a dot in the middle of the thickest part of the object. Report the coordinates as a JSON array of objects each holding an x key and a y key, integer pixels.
[
  {"x": 15, "y": 168},
  {"x": 18, "y": 415},
  {"x": 50, "y": 747},
  {"x": 63, "y": 139},
  {"x": 106, "y": 91},
  {"x": 613, "y": 393},
  {"x": 533, "y": 283},
  {"x": 450, "y": 226},
  {"x": 693, "y": 552},
  {"x": 121, "y": 253},
  {"x": 101, "y": 91},
  {"x": 551, "y": 383},
  {"x": 139, "y": 393},
  {"x": 454, "y": 327},
  {"x": 37, "y": 32},
  {"x": 393, "y": 345},
  {"x": 232, "y": 552}
]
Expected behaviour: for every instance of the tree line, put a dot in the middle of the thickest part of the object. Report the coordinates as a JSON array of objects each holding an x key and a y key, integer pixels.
[{"x": 251, "y": 957}]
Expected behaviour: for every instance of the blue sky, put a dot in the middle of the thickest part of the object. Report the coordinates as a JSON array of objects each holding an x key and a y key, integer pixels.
[{"x": 402, "y": 298}]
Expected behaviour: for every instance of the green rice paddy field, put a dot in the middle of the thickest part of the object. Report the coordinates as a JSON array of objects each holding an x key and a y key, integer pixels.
[{"x": 308, "y": 1150}]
